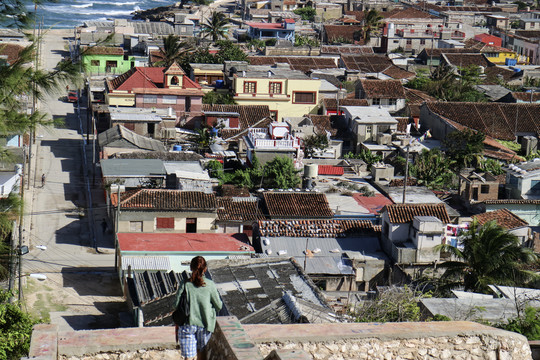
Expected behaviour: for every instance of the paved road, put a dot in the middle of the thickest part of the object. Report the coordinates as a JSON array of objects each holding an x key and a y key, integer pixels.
[{"x": 81, "y": 290}]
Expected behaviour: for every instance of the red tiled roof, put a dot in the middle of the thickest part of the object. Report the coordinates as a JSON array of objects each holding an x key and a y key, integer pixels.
[
  {"x": 503, "y": 217},
  {"x": 330, "y": 170},
  {"x": 382, "y": 89},
  {"x": 12, "y": 52},
  {"x": 234, "y": 190},
  {"x": 375, "y": 63},
  {"x": 497, "y": 120},
  {"x": 395, "y": 72},
  {"x": 238, "y": 209},
  {"x": 526, "y": 97},
  {"x": 359, "y": 15},
  {"x": 512, "y": 201},
  {"x": 176, "y": 242},
  {"x": 372, "y": 203},
  {"x": 483, "y": 47},
  {"x": 331, "y": 103},
  {"x": 301, "y": 63},
  {"x": 404, "y": 213},
  {"x": 322, "y": 124},
  {"x": 347, "y": 32},
  {"x": 148, "y": 78},
  {"x": 163, "y": 199},
  {"x": 314, "y": 228},
  {"x": 301, "y": 205},
  {"x": 250, "y": 115},
  {"x": 417, "y": 97},
  {"x": 408, "y": 13}
]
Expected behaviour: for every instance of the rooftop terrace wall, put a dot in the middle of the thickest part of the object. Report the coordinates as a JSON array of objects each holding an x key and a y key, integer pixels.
[{"x": 234, "y": 341}]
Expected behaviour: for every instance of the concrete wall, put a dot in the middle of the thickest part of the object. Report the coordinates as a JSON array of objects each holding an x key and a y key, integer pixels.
[
  {"x": 528, "y": 212},
  {"x": 205, "y": 221},
  {"x": 234, "y": 341}
]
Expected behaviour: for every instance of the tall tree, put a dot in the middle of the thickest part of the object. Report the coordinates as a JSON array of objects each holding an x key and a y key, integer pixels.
[
  {"x": 173, "y": 50},
  {"x": 485, "y": 255},
  {"x": 315, "y": 142},
  {"x": 280, "y": 174},
  {"x": 432, "y": 169},
  {"x": 372, "y": 20},
  {"x": 465, "y": 147},
  {"x": 215, "y": 26}
]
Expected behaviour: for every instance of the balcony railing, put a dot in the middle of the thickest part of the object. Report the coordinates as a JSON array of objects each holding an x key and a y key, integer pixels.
[{"x": 259, "y": 139}]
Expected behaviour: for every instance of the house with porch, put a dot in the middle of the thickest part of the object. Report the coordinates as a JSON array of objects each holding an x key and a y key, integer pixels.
[
  {"x": 156, "y": 87},
  {"x": 279, "y": 31}
]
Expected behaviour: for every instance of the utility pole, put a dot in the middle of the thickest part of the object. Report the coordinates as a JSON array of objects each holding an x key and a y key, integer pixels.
[
  {"x": 305, "y": 255},
  {"x": 406, "y": 168},
  {"x": 21, "y": 217},
  {"x": 116, "y": 228}
]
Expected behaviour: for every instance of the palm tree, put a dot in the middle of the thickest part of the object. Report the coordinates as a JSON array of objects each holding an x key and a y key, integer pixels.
[
  {"x": 487, "y": 254},
  {"x": 215, "y": 26},
  {"x": 372, "y": 19},
  {"x": 173, "y": 50}
]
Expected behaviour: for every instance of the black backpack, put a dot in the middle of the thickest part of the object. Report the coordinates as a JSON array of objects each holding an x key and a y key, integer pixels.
[{"x": 181, "y": 314}]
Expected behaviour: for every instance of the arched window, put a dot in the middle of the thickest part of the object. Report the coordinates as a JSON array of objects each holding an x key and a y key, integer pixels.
[{"x": 174, "y": 80}]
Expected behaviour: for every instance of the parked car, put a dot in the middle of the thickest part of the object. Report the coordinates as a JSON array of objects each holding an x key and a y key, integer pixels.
[{"x": 72, "y": 96}]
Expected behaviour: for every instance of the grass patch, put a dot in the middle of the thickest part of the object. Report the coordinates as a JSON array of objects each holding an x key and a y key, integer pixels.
[{"x": 45, "y": 303}]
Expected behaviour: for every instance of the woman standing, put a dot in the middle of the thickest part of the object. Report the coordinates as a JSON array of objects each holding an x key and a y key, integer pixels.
[{"x": 204, "y": 303}]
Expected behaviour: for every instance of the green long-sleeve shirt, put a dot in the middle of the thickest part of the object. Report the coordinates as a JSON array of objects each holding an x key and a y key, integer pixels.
[{"x": 204, "y": 303}]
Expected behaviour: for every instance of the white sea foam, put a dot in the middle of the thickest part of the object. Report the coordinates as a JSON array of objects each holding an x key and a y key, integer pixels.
[{"x": 82, "y": 6}]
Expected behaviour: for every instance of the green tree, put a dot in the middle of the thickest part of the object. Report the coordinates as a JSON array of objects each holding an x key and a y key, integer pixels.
[
  {"x": 465, "y": 147},
  {"x": 366, "y": 156},
  {"x": 15, "y": 328},
  {"x": 215, "y": 26},
  {"x": 307, "y": 13},
  {"x": 372, "y": 20},
  {"x": 315, "y": 142},
  {"x": 280, "y": 174},
  {"x": 492, "y": 166},
  {"x": 173, "y": 50},
  {"x": 395, "y": 304},
  {"x": 302, "y": 40},
  {"x": 486, "y": 255},
  {"x": 432, "y": 169},
  {"x": 204, "y": 139},
  {"x": 228, "y": 51},
  {"x": 213, "y": 97},
  {"x": 527, "y": 325}
]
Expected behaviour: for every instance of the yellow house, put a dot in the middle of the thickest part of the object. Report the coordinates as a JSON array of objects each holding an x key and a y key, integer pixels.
[
  {"x": 287, "y": 92},
  {"x": 495, "y": 54}
]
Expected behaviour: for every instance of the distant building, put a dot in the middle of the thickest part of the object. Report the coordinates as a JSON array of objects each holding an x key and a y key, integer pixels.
[
  {"x": 387, "y": 94},
  {"x": 106, "y": 60},
  {"x": 277, "y": 31}
]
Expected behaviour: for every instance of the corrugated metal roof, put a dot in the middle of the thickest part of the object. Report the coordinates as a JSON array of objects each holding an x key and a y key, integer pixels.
[
  {"x": 132, "y": 167},
  {"x": 135, "y": 117},
  {"x": 325, "y": 257},
  {"x": 119, "y": 136},
  {"x": 146, "y": 263}
]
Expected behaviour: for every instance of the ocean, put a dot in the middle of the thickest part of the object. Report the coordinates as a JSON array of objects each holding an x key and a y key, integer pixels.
[{"x": 65, "y": 14}]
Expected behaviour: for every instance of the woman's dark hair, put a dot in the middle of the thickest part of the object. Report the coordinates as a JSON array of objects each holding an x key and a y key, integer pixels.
[{"x": 198, "y": 268}]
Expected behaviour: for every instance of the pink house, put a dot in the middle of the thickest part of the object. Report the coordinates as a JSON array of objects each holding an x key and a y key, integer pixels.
[{"x": 157, "y": 87}]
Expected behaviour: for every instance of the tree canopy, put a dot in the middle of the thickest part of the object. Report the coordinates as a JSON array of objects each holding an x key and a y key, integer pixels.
[
  {"x": 307, "y": 13},
  {"x": 215, "y": 26},
  {"x": 280, "y": 174},
  {"x": 465, "y": 148},
  {"x": 433, "y": 169},
  {"x": 15, "y": 328},
  {"x": 487, "y": 254}
]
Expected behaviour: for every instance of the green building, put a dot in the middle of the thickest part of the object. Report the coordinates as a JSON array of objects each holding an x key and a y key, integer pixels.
[{"x": 106, "y": 60}]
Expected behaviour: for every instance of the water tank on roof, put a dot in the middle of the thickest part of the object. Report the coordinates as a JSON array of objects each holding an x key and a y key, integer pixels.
[
  {"x": 177, "y": 148},
  {"x": 311, "y": 171},
  {"x": 219, "y": 84}
]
